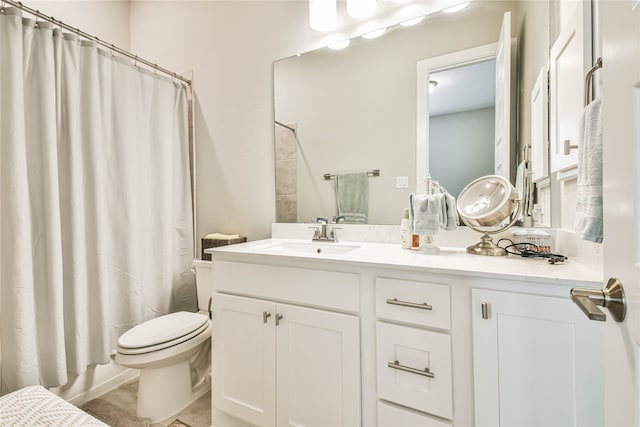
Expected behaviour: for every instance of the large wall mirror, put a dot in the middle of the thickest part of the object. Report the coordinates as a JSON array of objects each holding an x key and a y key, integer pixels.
[{"x": 357, "y": 110}]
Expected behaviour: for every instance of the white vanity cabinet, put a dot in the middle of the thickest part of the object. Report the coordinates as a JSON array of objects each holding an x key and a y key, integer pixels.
[
  {"x": 384, "y": 337},
  {"x": 537, "y": 361},
  {"x": 281, "y": 364}
]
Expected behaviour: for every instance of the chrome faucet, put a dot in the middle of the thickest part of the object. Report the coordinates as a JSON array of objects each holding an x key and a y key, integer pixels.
[{"x": 321, "y": 231}]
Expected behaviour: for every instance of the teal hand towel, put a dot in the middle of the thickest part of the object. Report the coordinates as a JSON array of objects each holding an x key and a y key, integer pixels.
[
  {"x": 352, "y": 195},
  {"x": 451, "y": 210},
  {"x": 427, "y": 213}
]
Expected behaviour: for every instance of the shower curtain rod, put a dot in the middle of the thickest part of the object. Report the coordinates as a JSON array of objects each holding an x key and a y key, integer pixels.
[{"x": 111, "y": 47}]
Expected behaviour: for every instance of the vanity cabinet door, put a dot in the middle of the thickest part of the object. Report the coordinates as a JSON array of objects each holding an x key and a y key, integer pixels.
[
  {"x": 318, "y": 368},
  {"x": 538, "y": 361},
  {"x": 281, "y": 365},
  {"x": 244, "y": 358}
]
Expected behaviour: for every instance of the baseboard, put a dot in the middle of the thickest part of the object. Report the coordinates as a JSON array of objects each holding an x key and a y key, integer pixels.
[{"x": 91, "y": 384}]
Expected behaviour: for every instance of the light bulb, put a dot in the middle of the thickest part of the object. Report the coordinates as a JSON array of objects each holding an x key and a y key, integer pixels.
[
  {"x": 323, "y": 15},
  {"x": 339, "y": 45},
  {"x": 360, "y": 8}
]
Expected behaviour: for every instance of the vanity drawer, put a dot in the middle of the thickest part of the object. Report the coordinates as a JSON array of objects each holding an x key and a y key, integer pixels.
[
  {"x": 420, "y": 303},
  {"x": 320, "y": 288},
  {"x": 403, "y": 354},
  {"x": 394, "y": 416}
]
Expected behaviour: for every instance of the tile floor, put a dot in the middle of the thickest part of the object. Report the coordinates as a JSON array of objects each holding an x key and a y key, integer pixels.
[{"x": 118, "y": 409}]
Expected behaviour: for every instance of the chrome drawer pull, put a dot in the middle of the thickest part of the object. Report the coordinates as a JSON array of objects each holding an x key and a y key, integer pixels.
[
  {"x": 423, "y": 306},
  {"x": 396, "y": 365}
]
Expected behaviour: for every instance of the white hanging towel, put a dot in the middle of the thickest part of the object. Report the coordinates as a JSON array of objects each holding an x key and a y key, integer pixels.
[{"x": 588, "y": 222}]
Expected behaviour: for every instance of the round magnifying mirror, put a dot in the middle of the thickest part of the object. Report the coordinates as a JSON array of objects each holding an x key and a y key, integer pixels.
[{"x": 487, "y": 202}]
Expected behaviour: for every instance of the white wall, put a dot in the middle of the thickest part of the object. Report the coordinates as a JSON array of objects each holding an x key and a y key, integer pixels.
[{"x": 106, "y": 19}]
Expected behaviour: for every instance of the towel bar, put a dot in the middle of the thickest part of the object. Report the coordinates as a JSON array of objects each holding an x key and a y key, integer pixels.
[{"x": 375, "y": 172}]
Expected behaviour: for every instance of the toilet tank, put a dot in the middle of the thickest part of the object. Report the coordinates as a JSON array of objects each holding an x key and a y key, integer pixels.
[{"x": 204, "y": 286}]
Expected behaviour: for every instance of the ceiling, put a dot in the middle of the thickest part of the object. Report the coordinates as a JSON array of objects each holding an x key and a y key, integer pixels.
[{"x": 469, "y": 87}]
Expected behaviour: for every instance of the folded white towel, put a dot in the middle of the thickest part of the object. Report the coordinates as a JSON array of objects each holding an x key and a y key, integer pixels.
[
  {"x": 220, "y": 236},
  {"x": 588, "y": 220}
]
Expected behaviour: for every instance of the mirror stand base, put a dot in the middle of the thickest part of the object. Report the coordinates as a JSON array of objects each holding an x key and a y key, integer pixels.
[{"x": 486, "y": 247}]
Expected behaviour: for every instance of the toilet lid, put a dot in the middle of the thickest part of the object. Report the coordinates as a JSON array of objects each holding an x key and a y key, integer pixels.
[{"x": 162, "y": 329}]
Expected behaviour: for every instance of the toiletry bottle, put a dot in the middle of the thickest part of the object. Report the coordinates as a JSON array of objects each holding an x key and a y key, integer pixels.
[{"x": 405, "y": 231}]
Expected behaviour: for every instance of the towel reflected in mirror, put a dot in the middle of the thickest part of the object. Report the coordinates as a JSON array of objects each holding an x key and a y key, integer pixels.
[{"x": 352, "y": 197}]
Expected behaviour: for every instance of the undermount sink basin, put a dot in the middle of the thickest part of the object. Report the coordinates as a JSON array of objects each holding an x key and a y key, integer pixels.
[{"x": 309, "y": 248}]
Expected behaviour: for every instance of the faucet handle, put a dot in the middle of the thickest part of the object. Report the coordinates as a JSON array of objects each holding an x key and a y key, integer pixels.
[
  {"x": 320, "y": 220},
  {"x": 337, "y": 219}
]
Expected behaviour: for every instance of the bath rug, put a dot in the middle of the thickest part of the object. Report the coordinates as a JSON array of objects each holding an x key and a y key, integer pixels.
[{"x": 113, "y": 415}]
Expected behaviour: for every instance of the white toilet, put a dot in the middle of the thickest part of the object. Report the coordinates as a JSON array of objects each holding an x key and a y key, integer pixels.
[{"x": 173, "y": 353}]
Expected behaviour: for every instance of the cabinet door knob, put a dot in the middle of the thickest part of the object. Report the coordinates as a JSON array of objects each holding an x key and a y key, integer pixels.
[
  {"x": 568, "y": 146},
  {"x": 425, "y": 373},
  {"x": 278, "y": 318},
  {"x": 265, "y": 316},
  {"x": 423, "y": 306}
]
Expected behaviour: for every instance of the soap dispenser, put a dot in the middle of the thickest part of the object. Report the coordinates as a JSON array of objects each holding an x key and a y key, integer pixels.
[{"x": 405, "y": 231}]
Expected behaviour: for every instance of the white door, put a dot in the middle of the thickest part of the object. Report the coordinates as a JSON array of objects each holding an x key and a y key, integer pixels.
[
  {"x": 318, "y": 372},
  {"x": 538, "y": 361},
  {"x": 620, "y": 78},
  {"x": 243, "y": 368},
  {"x": 502, "y": 133}
]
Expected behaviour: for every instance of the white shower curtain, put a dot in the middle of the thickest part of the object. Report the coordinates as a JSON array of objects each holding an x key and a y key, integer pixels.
[{"x": 96, "y": 221}]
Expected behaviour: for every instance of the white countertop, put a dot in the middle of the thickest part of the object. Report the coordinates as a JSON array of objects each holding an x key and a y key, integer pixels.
[{"x": 384, "y": 255}]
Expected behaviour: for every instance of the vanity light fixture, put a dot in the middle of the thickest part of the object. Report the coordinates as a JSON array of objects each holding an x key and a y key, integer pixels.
[
  {"x": 360, "y": 8},
  {"x": 374, "y": 34},
  {"x": 339, "y": 45},
  {"x": 323, "y": 15},
  {"x": 456, "y": 8}
]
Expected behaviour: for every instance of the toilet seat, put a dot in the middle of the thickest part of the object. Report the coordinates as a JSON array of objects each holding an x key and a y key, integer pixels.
[{"x": 162, "y": 332}]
